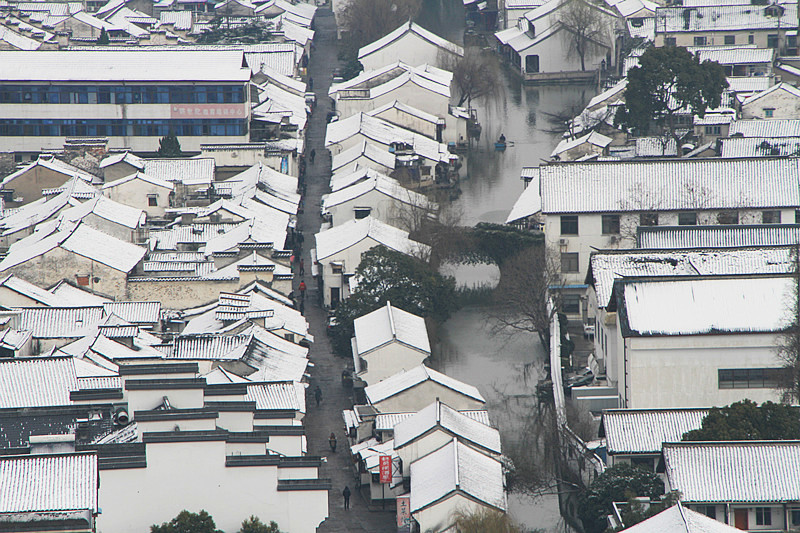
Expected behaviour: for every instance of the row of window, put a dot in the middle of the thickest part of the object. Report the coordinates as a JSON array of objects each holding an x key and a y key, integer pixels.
[
  {"x": 773, "y": 40},
  {"x": 122, "y": 128},
  {"x": 123, "y": 94},
  {"x": 611, "y": 223},
  {"x": 748, "y": 378},
  {"x": 763, "y": 514}
]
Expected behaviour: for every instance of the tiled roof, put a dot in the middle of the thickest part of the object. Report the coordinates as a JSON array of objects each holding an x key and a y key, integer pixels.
[
  {"x": 215, "y": 347},
  {"x": 759, "y": 146},
  {"x": 190, "y": 171},
  {"x": 278, "y": 395},
  {"x": 59, "y": 482},
  {"x": 608, "y": 266},
  {"x": 723, "y": 18},
  {"x": 734, "y": 471},
  {"x": 410, "y": 378},
  {"x": 343, "y": 236},
  {"x": 367, "y": 150},
  {"x": 135, "y": 312},
  {"x": 456, "y": 467},
  {"x": 34, "y": 292},
  {"x": 765, "y": 128},
  {"x": 720, "y": 236},
  {"x": 388, "y": 324},
  {"x": 629, "y": 431},
  {"x": 459, "y": 425},
  {"x": 36, "y": 382},
  {"x": 680, "y": 519},
  {"x": 669, "y": 185},
  {"x": 60, "y": 322},
  {"x": 382, "y": 184},
  {"x": 707, "y": 306},
  {"x": 410, "y": 27},
  {"x": 387, "y": 421}
]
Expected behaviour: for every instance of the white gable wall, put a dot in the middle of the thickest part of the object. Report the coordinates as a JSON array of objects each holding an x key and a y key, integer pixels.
[
  {"x": 385, "y": 208},
  {"x": 439, "y": 516},
  {"x": 390, "y": 359},
  {"x": 783, "y": 104},
  {"x": 409, "y": 93},
  {"x": 136, "y": 193},
  {"x": 424, "y": 394},
  {"x": 410, "y": 49}
]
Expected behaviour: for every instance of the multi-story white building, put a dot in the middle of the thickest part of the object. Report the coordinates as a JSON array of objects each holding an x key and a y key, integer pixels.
[{"x": 133, "y": 98}]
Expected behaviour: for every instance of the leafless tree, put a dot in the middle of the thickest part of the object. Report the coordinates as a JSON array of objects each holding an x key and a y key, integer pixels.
[
  {"x": 365, "y": 21},
  {"x": 476, "y": 75},
  {"x": 521, "y": 296},
  {"x": 585, "y": 24},
  {"x": 789, "y": 342},
  {"x": 484, "y": 520}
]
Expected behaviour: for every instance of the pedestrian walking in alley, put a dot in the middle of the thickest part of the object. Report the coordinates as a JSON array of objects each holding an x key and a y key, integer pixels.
[
  {"x": 332, "y": 442},
  {"x": 302, "y": 268},
  {"x": 311, "y": 88},
  {"x": 312, "y": 155},
  {"x": 302, "y": 307},
  {"x": 346, "y": 494},
  {"x": 302, "y": 290},
  {"x": 318, "y": 395}
]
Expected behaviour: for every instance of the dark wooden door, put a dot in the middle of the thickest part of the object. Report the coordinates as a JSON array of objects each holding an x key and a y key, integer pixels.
[{"x": 740, "y": 519}]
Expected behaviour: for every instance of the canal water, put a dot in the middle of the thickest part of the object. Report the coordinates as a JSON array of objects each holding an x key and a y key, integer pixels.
[{"x": 505, "y": 368}]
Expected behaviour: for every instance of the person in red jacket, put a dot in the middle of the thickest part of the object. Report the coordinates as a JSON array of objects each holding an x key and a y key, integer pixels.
[{"x": 303, "y": 290}]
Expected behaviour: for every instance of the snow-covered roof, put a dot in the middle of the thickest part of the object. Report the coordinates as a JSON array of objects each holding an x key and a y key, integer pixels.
[
  {"x": 343, "y": 236},
  {"x": 760, "y": 146},
  {"x": 36, "y": 382},
  {"x": 55, "y": 483},
  {"x": 75, "y": 295},
  {"x": 49, "y": 163},
  {"x": 388, "y": 324},
  {"x": 718, "y": 236},
  {"x": 455, "y": 423},
  {"x": 529, "y": 202},
  {"x": 366, "y": 149},
  {"x": 140, "y": 176},
  {"x": 630, "y": 431},
  {"x": 289, "y": 395},
  {"x": 613, "y": 94},
  {"x": 134, "y": 65},
  {"x": 785, "y": 87},
  {"x": 380, "y": 183},
  {"x": 412, "y": 28},
  {"x": 373, "y": 78},
  {"x": 135, "y": 312},
  {"x": 407, "y": 109},
  {"x": 385, "y": 133},
  {"x": 765, "y": 128},
  {"x": 107, "y": 209},
  {"x": 34, "y": 292},
  {"x": 408, "y": 379},
  {"x": 361, "y": 174},
  {"x": 679, "y": 306},
  {"x": 125, "y": 157},
  {"x": 17, "y": 40},
  {"x": 180, "y": 20},
  {"x": 60, "y": 322},
  {"x": 748, "y": 84},
  {"x": 250, "y": 231},
  {"x": 607, "y": 266},
  {"x": 210, "y": 346},
  {"x": 668, "y": 185},
  {"x": 751, "y": 471},
  {"x": 655, "y": 147},
  {"x": 190, "y": 171},
  {"x": 457, "y": 468},
  {"x": 680, "y": 519},
  {"x": 734, "y": 55},
  {"x": 724, "y": 18},
  {"x": 593, "y": 138},
  {"x": 387, "y": 421}
]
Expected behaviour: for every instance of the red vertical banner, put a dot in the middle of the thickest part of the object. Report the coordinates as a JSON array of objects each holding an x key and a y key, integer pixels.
[
  {"x": 386, "y": 468},
  {"x": 403, "y": 514}
]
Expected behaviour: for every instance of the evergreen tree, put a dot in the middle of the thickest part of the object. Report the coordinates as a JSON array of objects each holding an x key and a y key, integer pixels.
[
  {"x": 169, "y": 146},
  {"x": 103, "y": 39}
]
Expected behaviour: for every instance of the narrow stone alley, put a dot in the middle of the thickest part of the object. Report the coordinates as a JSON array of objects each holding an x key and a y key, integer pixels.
[{"x": 326, "y": 373}]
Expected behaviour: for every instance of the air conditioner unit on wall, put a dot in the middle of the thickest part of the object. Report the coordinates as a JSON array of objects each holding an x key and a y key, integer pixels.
[{"x": 563, "y": 242}]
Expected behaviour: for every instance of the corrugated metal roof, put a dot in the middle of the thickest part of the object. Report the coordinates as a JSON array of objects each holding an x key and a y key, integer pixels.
[
  {"x": 210, "y": 347},
  {"x": 169, "y": 239},
  {"x": 195, "y": 170},
  {"x": 36, "y": 382},
  {"x": 734, "y": 471},
  {"x": 645, "y": 430},
  {"x": 135, "y": 312},
  {"x": 458, "y": 424},
  {"x": 388, "y": 324},
  {"x": 278, "y": 395},
  {"x": 60, "y": 322},
  {"x": 106, "y": 382},
  {"x": 410, "y": 378},
  {"x": 722, "y": 236},
  {"x": 705, "y": 306},
  {"x": 669, "y": 185},
  {"x": 456, "y": 467},
  {"x": 67, "y": 482},
  {"x": 606, "y": 267}
]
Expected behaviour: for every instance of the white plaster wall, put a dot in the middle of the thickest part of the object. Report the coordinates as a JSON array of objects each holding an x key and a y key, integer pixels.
[
  {"x": 194, "y": 476},
  {"x": 245, "y": 448},
  {"x": 717, "y": 38},
  {"x": 146, "y": 400},
  {"x": 554, "y": 55},
  {"x": 668, "y": 372},
  {"x": 361, "y": 162},
  {"x": 421, "y": 447},
  {"x": 385, "y": 208},
  {"x": 351, "y": 258},
  {"x": 291, "y": 445},
  {"x": 201, "y": 424},
  {"x": 409, "y": 122},
  {"x": 439, "y": 517},
  {"x": 409, "y": 49},
  {"x": 390, "y": 359},
  {"x": 305, "y": 472},
  {"x": 135, "y": 194},
  {"x": 783, "y": 104},
  {"x": 236, "y": 420},
  {"x": 179, "y": 295},
  {"x": 416, "y": 398},
  {"x": 409, "y": 93}
]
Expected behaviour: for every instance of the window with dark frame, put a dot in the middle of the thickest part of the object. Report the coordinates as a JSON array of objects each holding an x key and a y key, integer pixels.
[
  {"x": 569, "y": 262},
  {"x": 610, "y": 224},
  {"x": 362, "y": 212},
  {"x": 763, "y": 516},
  {"x": 748, "y": 378},
  {"x": 710, "y": 511},
  {"x": 571, "y": 304},
  {"x": 569, "y": 224},
  {"x": 728, "y": 217},
  {"x": 700, "y": 40},
  {"x": 772, "y": 216},
  {"x": 670, "y": 41},
  {"x": 648, "y": 219},
  {"x": 687, "y": 219},
  {"x": 152, "y": 200},
  {"x": 730, "y": 39}
]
